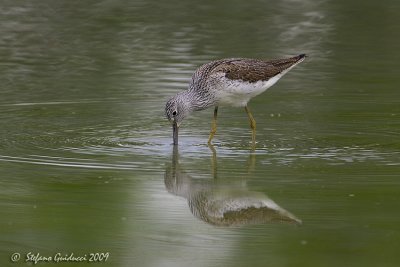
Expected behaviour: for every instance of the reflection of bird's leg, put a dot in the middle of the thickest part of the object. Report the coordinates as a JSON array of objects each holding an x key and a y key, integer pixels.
[
  {"x": 213, "y": 125},
  {"x": 213, "y": 160},
  {"x": 251, "y": 162},
  {"x": 252, "y": 125}
]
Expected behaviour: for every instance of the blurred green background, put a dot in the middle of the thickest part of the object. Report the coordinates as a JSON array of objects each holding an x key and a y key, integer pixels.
[{"x": 86, "y": 155}]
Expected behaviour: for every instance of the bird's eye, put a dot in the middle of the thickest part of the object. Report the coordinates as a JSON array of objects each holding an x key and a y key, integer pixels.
[{"x": 174, "y": 113}]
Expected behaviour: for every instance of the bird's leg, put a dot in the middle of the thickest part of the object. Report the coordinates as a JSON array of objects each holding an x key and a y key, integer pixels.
[
  {"x": 252, "y": 125},
  {"x": 213, "y": 125}
]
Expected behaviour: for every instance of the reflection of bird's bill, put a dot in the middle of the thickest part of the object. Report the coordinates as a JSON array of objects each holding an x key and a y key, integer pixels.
[{"x": 175, "y": 128}]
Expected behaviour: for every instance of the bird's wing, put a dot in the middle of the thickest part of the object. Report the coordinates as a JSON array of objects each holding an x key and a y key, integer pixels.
[{"x": 253, "y": 70}]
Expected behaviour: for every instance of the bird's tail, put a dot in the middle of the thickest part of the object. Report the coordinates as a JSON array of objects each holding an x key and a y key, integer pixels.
[{"x": 287, "y": 63}]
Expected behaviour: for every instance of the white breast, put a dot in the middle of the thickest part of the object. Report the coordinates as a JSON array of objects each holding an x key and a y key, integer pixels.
[{"x": 238, "y": 92}]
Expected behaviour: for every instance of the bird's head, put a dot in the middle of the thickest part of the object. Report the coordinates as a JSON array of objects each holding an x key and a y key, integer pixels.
[{"x": 176, "y": 111}]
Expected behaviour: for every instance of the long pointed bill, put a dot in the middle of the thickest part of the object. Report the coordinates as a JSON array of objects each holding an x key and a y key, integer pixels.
[{"x": 175, "y": 128}]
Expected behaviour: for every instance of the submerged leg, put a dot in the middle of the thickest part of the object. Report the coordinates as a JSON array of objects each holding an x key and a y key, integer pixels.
[
  {"x": 213, "y": 125},
  {"x": 252, "y": 125}
]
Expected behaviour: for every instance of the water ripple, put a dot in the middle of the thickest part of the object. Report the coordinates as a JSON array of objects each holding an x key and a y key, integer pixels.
[{"x": 67, "y": 162}]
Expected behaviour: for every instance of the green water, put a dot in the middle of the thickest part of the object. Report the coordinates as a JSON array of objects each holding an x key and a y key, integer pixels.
[{"x": 86, "y": 161}]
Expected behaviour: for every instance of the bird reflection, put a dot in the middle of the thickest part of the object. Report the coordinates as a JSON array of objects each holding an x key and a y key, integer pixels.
[{"x": 223, "y": 204}]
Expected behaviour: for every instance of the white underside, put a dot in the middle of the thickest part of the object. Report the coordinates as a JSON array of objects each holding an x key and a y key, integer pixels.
[{"x": 237, "y": 93}]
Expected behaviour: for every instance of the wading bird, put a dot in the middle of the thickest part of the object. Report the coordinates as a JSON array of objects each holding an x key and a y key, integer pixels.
[{"x": 227, "y": 82}]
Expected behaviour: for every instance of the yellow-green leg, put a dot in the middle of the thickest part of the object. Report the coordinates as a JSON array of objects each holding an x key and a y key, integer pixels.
[
  {"x": 252, "y": 125},
  {"x": 213, "y": 125}
]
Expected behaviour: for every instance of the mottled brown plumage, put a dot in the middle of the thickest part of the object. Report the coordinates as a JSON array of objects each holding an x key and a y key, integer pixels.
[{"x": 253, "y": 70}]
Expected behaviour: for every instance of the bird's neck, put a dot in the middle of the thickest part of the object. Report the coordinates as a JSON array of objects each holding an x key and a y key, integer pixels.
[
  {"x": 191, "y": 100},
  {"x": 194, "y": 100}
]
